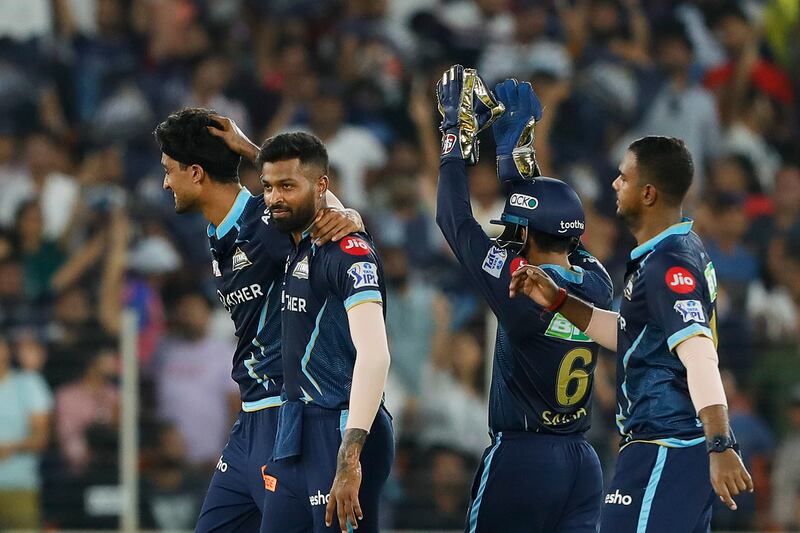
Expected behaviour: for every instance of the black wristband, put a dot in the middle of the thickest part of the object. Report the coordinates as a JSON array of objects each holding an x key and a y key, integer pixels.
[{"x": 720, "y": 443}]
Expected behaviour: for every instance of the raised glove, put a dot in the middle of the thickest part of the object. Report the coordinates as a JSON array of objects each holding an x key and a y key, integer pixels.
[
  {"x": 467, "y": 108},
  {"x": 514, "y": 131}
]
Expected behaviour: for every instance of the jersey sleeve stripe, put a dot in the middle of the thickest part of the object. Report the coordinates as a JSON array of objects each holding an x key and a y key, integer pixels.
[
  {"x": 688, "y": 332},
  {"x": 361, "y": 298}
]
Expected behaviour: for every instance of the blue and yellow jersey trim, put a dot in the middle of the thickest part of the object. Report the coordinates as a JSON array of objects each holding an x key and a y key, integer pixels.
[
  {"x": 362, "y": 298},
  {"x": 668, "y": 443},
  {"x": 692, "y": 330},
  {"x": 264, "y": 403}
]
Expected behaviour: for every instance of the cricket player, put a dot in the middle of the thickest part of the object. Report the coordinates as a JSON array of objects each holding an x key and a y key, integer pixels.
[
  {"x": 335, "y": 446},
  {"x": 677, "y": 447},
  {"x": 540, "y": 474},
  {"x": 201, "y": 153}
]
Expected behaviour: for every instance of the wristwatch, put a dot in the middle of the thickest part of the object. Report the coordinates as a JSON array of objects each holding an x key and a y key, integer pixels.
[{"x": 720, "y": 443}]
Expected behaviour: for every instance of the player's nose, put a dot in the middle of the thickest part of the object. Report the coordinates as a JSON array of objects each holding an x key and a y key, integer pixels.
[{"x": 165, "y": 184}]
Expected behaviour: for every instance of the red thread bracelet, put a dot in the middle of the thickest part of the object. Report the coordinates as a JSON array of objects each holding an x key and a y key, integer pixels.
[{"x": 562, "y": 297}]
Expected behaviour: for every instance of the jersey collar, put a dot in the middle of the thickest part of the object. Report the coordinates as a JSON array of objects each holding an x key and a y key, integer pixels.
[
  {"x": 681, "y": 228},
  {"x": 573, "y": 275},
  {"x": 233, "y": 215}
]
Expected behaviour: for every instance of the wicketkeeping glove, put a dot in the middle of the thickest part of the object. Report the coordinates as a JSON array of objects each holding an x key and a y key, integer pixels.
[
  {"x": 513, "y": 132},
  {"x": 467, "y": 108}
]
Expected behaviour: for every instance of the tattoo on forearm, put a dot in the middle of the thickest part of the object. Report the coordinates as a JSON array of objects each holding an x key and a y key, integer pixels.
[{"x": 350, "y": 449}]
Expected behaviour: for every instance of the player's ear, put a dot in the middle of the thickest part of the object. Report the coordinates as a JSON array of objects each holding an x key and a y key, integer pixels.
[
  {"x": 323, "y": 182},
  {"x": 198, "y": 174},
  {"x": 649, "y": 195}
]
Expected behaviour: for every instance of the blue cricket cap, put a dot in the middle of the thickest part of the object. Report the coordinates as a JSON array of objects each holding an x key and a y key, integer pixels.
[{"x": 544, "y": 204}]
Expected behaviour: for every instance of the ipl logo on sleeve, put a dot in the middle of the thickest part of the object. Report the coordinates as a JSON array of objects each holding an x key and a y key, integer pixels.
[
  {"x": 364, "y": 274},
  {"x": 494, "y": 261},
  {"x": 690, "y": 310}
]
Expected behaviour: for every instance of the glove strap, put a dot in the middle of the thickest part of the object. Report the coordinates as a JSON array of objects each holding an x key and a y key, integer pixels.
[{"x": 451, "y": 144}]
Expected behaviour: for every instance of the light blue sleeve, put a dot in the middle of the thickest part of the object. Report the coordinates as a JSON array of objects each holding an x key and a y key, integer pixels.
[{"x": 40, "y": 399}]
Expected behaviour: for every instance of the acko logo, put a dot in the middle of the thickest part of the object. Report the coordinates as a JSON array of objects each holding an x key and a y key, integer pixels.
[
  {"x": 680, "y": 280},
  {"x": 565, "y": 225},
  {"x": 524, "y": 201},
  {"x": 354, "y": 246}
]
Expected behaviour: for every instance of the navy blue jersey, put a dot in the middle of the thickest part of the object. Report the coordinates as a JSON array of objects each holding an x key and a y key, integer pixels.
[
  {"x": 543, "y": 366},
  {"x": 320, "y": 285},
  {"x": 670, "y": 290},
  {"x": 248, "y": 255}
]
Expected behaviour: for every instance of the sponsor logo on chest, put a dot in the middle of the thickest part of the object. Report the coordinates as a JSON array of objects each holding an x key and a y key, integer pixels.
[{"x": 238, "y": 296}]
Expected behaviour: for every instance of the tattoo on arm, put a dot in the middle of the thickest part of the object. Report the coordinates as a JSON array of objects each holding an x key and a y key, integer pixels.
[{"x": 350, "y": 449}]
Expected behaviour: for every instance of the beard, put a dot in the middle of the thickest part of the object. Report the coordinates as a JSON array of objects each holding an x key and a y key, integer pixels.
[
  {"x": 628, "y": 216},
  {"x": 293, "y": 219}
]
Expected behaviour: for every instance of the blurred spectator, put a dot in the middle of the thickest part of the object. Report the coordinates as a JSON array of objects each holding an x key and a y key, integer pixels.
[
  {"x": 786, "y": 470},
  {"x": 485, "y": 196},
  {"x": 45, "y": 180},
  {"x": 440, "y": 500},
  {"x": 454, "y": 407},
  {"x": 353, "y": 150},
  {"x": 530, "y": 50},
  {"x": 210, "y": 79},
  {"x": 680, "y": 107},
  {"x": 724, "y": 241},
  {"x": 25, "y": 408},
  {"x": 417, "y": 322},
  {"x": 41, "y": 257},
  {"x": 15, "y": 309},
  {"x": 191, "y": 370},
  {"x": 171, "y": 492},
  {"x": 91, "y": 400},
  {"x": 745, "y": 67},
  {"x": 756, "y": 443}
]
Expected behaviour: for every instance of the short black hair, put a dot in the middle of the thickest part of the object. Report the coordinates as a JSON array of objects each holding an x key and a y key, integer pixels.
[
  {"x": 183, "y": 136},
  {"x": 666, "y": 163},
  {"x": 550, "y": 243},
  {"x": 308, "y": 148},
  {"x": 673, "y": 30}
]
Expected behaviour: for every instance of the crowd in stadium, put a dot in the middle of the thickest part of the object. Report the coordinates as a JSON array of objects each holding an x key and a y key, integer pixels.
[{"x": 86, "y": 229}]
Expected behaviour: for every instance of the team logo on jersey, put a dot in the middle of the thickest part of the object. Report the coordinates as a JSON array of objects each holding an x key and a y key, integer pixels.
[
  {"x": 215, "y": 268},
  {"x": 448, "y": 143},
  {"x": 517, "y": 263},
  {"x": 711, "y": 278},
  {"x": 301, "y": 269},
  {"x": 354, "y": 246},
  {"x": 561, "y": 328},
  {"x": 364, "y": 275},
  {"x": 524, "y": 201},
  {"x": 628, "y": 292},
  {"x": 240, "y": 260},
  {"x": 690, "y": 310},
  {"x": 494, "y": 261},
  {"x": 680, "y": 280}
]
